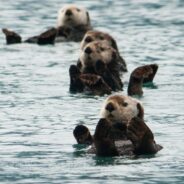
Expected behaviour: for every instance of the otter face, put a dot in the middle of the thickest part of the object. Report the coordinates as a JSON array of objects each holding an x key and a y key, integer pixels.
[
  {"x": 71, "y": 15},
  {"x": 120, "y": 108},
  {"x": 91, "y": 36},
  {"x": 94, "y": 52}
]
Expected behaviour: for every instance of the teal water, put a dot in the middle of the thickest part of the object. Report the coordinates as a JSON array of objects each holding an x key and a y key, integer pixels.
[{"x": 38, "y": 113}]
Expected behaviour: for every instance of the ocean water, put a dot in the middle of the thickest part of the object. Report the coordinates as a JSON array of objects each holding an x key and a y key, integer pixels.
[{"x": 38, "y": 114}]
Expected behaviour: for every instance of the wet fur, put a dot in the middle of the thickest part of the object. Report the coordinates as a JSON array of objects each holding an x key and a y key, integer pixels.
[
  {"x": 69, "y": 28},
  {"x": 94, "y": 35},
  {"x": 142, "y": 137},
  {"x": 124, "y": 109},
  {"x": 100, "y": 59},
  {"x": 82, "y": 135},
  {"x": 78, "y": 16},
  {"x": 89, "y": 83},
  {"x": 139, "y": 76},
  {"x": 135, "y": 136}
]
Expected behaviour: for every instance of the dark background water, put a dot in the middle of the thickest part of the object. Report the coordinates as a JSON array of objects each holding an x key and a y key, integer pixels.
[{"x": 38, "y": 113}]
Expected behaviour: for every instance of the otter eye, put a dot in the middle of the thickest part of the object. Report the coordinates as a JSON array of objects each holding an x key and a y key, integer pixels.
[
  {"x": 124, "y": 104},
  {"x": 88, "y": 39},
  {"x": 101, "y": 38},
  {"x": 102, "y": 49},
  {"x": 78, "y": 9}
]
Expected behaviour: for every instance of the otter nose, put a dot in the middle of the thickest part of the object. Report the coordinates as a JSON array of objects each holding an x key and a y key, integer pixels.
[
  {"x": 88, "y": 50},
  {"x": 110, "y": 107},
  {"x": 68, "y": 13},
  {"x": 88, "y": 39}
]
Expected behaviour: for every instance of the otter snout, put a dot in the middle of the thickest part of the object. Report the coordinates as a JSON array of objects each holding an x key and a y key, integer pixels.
[
  {"x": 68, "y": 13},
  {"x": 88, "y": 50},
  {"x": 110, "y": 107}
]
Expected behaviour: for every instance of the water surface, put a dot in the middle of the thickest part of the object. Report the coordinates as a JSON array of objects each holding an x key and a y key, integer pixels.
[{"x": 38, "y": 113}]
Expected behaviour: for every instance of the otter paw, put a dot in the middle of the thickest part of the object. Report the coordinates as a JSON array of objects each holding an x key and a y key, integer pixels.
[
  {"x": 82, "y": 135},
  {"x": 74, "y": 71},
  {"x": 150, "y": 77},
  {"x": 47, "y": 37},
  {"x": 140, "y": 134},
  {"x": 104, "y": 145},
  {"x": 102, "y": 129},
  {"x": 11, "y": 36}
]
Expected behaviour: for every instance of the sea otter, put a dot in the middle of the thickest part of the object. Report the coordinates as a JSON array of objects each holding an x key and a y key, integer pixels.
[
  {"x": 101, "y": 59},
  {"x": 74, "y": 21},
  {"x": 94, "y": 35},
  {"x": 100, "y": 80},
  {"x": 72, "y": 24},
  {"x": 122, "y": 130},
  {"x": 123, "y": 120}
]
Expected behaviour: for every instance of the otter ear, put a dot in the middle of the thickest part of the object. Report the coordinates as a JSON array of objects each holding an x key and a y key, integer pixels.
[
  {"x": 140, "y": 111},
  {"x": 113, "y": 44},
  {"x": 88, "y": 18}
]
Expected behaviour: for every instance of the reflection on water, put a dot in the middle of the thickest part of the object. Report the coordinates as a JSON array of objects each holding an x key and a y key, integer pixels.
[{"x": 38, "y": 113}]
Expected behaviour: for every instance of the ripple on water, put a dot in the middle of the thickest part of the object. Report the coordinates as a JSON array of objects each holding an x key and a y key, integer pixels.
[{"x": 38, "y": 113}]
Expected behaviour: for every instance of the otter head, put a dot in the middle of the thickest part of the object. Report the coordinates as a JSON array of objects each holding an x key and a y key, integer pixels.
[
  {"x": 91, "y": 36},
  {"x": 96, "y": 55},
  {"x": 121, "y": 108},
  {"x": 72, "y": 15}
]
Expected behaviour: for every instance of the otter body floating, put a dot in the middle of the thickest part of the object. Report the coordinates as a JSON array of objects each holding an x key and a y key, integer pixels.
[
  {"x": 72, "y": 24},
  {"x": 122, "y": 130}
]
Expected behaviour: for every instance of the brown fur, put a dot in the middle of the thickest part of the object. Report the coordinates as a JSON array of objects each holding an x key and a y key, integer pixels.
[
  {"x": 100, "y": 59},
  {"x": 113, "y": 138},
  {"x": 137, "y": 78},
  {"x": 98, "y": 51},
  {"x": 95, "y": 83},
  {"x": 68, "y": 33},
  {"x": 104, "y": 145},
  {"x": 47, "y": 37},
  {"x": 91, "y": 83},
  {"x": 92, "y": 36},
  {"x": 150, "y": 77},
  {"x": 82, "y": 135},
  {"x": 11, "y": 36},
  {"x": 73, "y": 23},
  {"x": 142, "y": 137}
]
